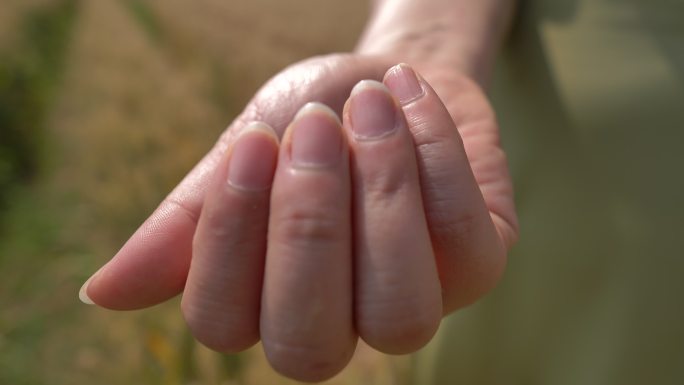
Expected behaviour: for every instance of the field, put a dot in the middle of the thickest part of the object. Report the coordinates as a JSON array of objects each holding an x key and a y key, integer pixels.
[{"x": 104, "y": 106}]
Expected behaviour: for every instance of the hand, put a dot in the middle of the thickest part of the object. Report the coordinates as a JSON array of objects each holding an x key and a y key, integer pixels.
[{"x": 469, "y": 227}]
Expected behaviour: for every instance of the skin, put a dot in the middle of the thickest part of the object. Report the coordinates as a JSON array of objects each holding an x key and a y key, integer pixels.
[{"x": 376, "y": 237}]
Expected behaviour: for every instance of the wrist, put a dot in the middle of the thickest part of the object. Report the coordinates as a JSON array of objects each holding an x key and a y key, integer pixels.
[{"x": 453, "y": 35}]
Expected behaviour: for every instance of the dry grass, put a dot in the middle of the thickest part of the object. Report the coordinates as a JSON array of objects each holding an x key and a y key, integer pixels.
[{"x": 138, "y": 104}]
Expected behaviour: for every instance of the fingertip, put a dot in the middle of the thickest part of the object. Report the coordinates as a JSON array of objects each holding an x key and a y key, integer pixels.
[
  {"x": 317, "y": 107},
  {"x": 372, "y": 113},
  {"x": 222, "y": 334},
  {"x": 83, "y": 293},
  {"x": 314, "y": 140},
  {"x": 475, "y": 280},
  {"x": 258, "y": 127},
  {"x": 150, "y": 268},
  {"x": 252, "y": 158},
  {"x": 404, "y": 83},
  {"x": 306, "y": 363},
  {"x": 368, "y": 84},
  {"x": 403, "y": 334}
]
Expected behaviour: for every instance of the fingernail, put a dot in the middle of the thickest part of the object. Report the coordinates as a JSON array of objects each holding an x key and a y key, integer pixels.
[
  {"x": 83, "y": 292},
  {"x": 253, "y": 158},
  {"x": 372, "y": 111},
  {"x": 404, "y": 84},
  {"x": 316, "y": 139}
]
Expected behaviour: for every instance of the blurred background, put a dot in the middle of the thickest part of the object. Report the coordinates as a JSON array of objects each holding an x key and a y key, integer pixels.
[{"x": 104, "y": 106}]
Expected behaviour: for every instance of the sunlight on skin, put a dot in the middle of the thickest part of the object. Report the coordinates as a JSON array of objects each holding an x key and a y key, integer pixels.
[{"x": 469, "y": 212}]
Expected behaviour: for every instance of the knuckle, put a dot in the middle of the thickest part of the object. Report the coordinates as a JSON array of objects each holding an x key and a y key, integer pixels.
[
  {"x": 311, "y": 225},
  {"x": 215, "y": 218},
  {"x": 219, "y": 226},
  {"x": 383, "y": 184},
  {"x": 223, "y": 232},
  {"x": 454, "y": 231},
  {"x": 172, "y": 202}
]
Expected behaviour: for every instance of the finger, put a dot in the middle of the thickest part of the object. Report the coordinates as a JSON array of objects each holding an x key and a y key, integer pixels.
[
  {"x": 153, "y": 264},
  {"x": 398, "y": 300},
  {"x": 222, "y": 294},
  {"x": 306, "y": 316},
  {"x": 470, "y": 254}
]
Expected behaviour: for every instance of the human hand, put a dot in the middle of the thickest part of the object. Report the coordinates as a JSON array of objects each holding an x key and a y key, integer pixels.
[{"x": 462, "y": 219}]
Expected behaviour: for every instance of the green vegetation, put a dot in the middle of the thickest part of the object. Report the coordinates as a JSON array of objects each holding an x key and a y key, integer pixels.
[
  {"x": 27, "y": 82},
  {"x": 143, "y": 14},
  {"x": 29, "y": 78}
]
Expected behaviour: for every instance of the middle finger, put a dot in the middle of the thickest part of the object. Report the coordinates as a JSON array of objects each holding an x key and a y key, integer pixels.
[{"x": 306, "y": 319}]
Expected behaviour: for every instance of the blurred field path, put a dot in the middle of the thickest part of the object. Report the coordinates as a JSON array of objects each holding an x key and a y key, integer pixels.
[
  {"x": 146, "y": 88},
  {"x": 12, "y": 13},
  {"x": 249, "y": 41},
  {"x": 130, "y": 120}
]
